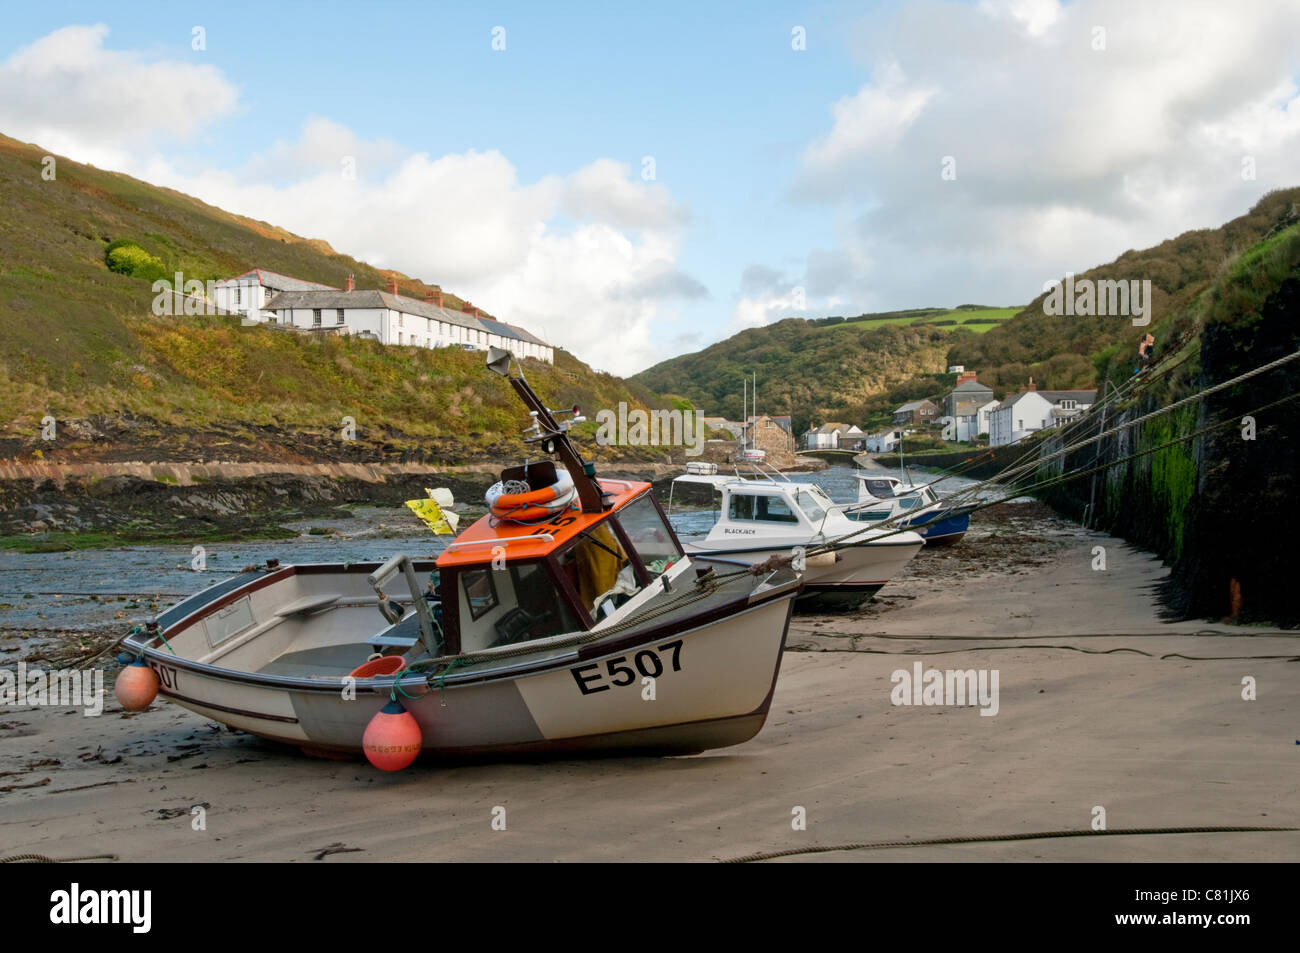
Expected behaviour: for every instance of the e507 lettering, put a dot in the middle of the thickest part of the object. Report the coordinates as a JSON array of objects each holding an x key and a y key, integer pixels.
[{"x": 647, "y": 662}]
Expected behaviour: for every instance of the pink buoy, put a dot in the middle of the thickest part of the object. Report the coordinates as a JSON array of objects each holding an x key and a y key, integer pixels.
[
  {"x": 136, "y": 686},
  {"x": 392, "y": 739}
]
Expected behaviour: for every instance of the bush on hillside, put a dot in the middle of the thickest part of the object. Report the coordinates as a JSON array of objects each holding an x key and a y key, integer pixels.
[{"x": 127, "y": 258}]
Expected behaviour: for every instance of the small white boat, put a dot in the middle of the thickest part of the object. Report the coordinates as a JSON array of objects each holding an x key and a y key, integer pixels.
[
  {"x": 758, "y": 519},
  {"x": 915, "y": 507},
  {"x": 568, "y": 619}
]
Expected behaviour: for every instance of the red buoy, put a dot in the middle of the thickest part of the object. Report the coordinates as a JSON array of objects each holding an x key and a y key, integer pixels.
[
  {"x": 392, "y": 739},
  {"x": 136, "y": 686}
]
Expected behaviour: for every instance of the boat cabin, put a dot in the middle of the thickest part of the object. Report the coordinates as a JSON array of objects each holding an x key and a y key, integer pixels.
[
  {"x": 898, "y": 497},
  {"x": 757, "y": 507},
  {"x": 503, "y": 582}
]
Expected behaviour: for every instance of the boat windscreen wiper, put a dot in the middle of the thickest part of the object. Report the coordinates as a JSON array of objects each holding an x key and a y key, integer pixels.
[{"x": 616, "y": 555}]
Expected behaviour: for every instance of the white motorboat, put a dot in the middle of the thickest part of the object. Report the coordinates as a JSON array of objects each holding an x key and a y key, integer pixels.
[
  {"x": 918, "y": 508},
  {"x": 761, "y": 518}
]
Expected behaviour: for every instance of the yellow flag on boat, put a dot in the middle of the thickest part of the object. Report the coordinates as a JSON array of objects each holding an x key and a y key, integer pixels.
[{"x": 436, "y": 511}]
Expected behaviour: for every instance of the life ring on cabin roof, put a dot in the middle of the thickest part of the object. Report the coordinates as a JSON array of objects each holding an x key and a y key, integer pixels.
[{"x": 532, "y": 504}]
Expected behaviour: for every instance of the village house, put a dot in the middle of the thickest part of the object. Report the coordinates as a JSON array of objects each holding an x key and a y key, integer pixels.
[
  {"x": 917, "y": 413},
  {"x": 385, "y": 316},
  {"x": 967, "y": 408},
  {"x": 249, "y": 293},
  {"x": 886, "y": 441},
  {"x": 1032, "y": 410},
  {"x": 834, "y": 436}
]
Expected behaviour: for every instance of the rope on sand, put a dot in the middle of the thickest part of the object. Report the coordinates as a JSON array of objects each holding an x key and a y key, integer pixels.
[
  {"x": 994, "y": 838},
  {"x": 42, "y": 859}
]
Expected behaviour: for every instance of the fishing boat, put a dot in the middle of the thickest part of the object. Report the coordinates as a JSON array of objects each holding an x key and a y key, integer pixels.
[
  {"x": 918, "y": 508},
  {"x": 759, "y": 519},
  {"x": 568, "y": 619}
]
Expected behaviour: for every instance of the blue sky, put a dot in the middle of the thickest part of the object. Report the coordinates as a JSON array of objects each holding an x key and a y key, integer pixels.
[{"x": 785, "y": 181}]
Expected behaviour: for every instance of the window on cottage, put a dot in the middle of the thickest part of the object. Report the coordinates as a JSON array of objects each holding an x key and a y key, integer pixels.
[
  {"x": 315, "y": 317},
  {"x": 239, "y": 296},
  {"x": 338, "y": 316}
]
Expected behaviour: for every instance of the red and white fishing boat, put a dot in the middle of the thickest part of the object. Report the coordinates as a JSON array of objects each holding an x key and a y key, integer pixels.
[{"x": 568, "y": 619}]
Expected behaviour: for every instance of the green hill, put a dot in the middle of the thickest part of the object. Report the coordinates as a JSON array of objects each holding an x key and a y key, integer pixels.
[
  {"x": 858, "y": 369},
  {"x": 1066, "y": 351},
  {"x": 78, "y": 340},
  {"x": 854, "y": 369}
]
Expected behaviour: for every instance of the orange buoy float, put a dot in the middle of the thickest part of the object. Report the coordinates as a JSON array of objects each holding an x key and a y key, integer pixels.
[
  {"x": 136, "y": 686},
  {"x": 392, "y": 739}
]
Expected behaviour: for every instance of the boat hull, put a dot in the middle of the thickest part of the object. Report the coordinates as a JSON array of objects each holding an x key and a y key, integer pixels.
[
  {"x": 943, "y": 530},
  {"x": 857, "y": 574},
  {"x": 712, "y": 687}
]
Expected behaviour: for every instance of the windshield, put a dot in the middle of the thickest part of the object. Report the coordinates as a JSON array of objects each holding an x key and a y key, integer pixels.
[
  {"x": 649, "y": 535},
  {"x": 811, "y": 508}
]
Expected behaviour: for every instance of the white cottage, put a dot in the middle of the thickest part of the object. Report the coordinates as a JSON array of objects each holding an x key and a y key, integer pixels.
[
  {"x": 251, "y": 292},
  {"x": 1032, "y": 410}
]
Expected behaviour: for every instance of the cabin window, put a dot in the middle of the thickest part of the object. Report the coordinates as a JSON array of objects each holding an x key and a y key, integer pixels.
[
  {"x": 480, "y": 592},
  {"x": 649, "y": 535},
  {"x": 909, "y": 503},
  {"x": 772, "y": 509},
  {"x": 811, "y": 508},
  {"x": 599, "y": 568},
  {"x": 540, "y": 608}
]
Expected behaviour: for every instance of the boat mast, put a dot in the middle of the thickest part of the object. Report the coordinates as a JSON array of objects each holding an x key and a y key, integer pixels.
[{"x": 555, "y": 439}]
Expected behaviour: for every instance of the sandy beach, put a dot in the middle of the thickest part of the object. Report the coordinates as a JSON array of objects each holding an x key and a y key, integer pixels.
[{"x": 1102, "y": 704}]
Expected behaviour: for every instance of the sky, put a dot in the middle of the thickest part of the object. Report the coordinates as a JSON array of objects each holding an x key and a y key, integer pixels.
[{"x": 637, "y": 181}]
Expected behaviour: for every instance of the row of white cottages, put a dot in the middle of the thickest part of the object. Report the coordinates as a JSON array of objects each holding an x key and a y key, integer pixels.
[{"x": 266, "y": 297}]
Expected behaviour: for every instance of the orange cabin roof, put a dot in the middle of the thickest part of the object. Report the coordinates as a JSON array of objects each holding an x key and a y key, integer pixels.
[{"x": 474, "y": 546}]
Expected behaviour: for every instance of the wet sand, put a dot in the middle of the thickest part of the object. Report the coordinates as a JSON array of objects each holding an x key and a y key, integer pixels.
[{"x": 1101, "y": 704}]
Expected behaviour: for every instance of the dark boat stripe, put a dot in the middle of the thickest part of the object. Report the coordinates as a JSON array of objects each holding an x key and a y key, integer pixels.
[{"x": 287, "y": 719}]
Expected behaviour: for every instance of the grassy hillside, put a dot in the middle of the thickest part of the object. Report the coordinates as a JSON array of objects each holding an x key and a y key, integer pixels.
[
  {"x": 845, "y": 370},
  {"x": 857, "y": 369},
  {"x": 77, "y": 340},
  {"x": 1064, "y": 351}
]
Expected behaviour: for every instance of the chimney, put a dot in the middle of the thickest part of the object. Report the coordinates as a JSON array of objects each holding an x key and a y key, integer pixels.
[
  {"x": 429, "y": 298},
  {"x": 1032, "y": 385},
  {"x": 470, "y": 309},
  {"x": 437, "y": 297},
  {"x": 350, "y": 284},
  {"x": 392, "y": 286}
]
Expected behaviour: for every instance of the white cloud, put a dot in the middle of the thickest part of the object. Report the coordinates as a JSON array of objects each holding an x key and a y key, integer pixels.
[
  {"x": 588, "y": 259},
  {"x": 70, "y": 94},
  {"x": 1065, "y": 154}
]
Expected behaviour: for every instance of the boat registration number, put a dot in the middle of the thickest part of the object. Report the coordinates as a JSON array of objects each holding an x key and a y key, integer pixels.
[
  {"x": 651, "y": 663},
  {"x": 167, "y": 675}
]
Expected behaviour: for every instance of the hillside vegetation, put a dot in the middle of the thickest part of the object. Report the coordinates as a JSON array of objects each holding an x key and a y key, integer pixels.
[
  {"x": 842, "y": 370},
  {"x": 1067, "y": 351},
  {"x": 78, "y": 340},
  {"x": 858, "y": 369}
]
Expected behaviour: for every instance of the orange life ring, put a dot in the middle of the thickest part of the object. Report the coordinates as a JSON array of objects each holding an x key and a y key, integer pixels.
[{"x": 534, "y": 504}]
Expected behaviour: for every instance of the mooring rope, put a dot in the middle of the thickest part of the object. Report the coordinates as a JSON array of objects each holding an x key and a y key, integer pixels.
[
  {"x": 1000, "y": 838},
  {"x": 42, "y": 859}
]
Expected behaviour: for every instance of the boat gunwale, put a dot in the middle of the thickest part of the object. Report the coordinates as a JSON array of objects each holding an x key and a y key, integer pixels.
[{"x": 383, "y": 684}]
